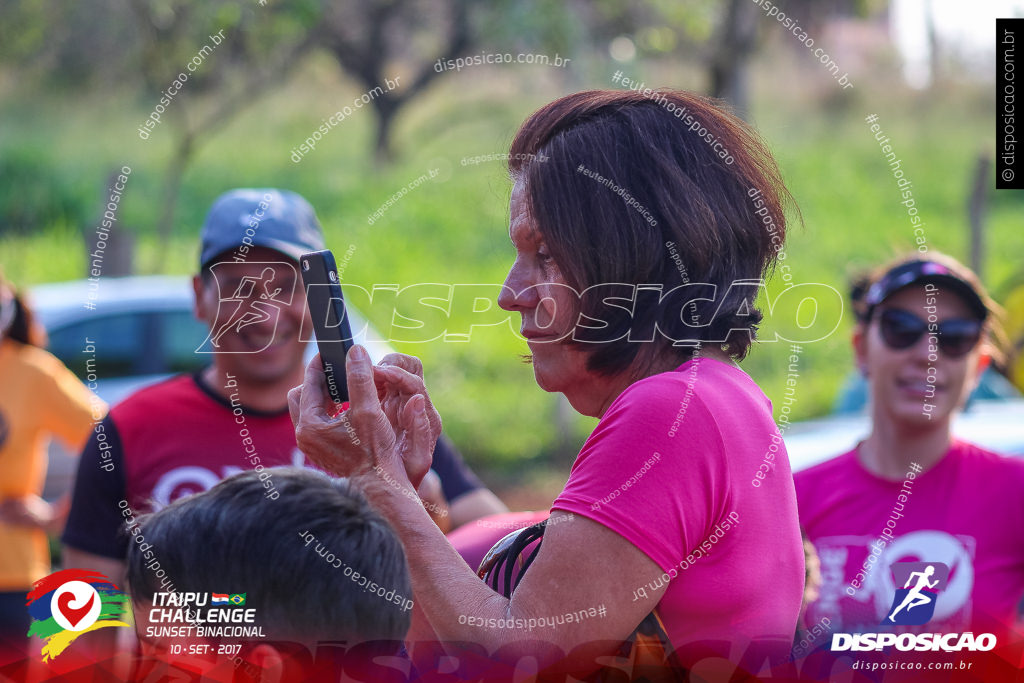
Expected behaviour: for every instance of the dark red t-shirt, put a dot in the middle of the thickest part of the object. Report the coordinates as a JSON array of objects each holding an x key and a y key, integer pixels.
[
  {"x": 167, "y": 441},
  {"x": 178, "y": 438},
  {"x": 187, "y": 441}
]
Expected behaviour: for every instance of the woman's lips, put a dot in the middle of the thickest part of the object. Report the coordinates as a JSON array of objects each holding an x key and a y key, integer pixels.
[
  {"x": 919, "y": 388},
  {"x": 540, "y": 339}
]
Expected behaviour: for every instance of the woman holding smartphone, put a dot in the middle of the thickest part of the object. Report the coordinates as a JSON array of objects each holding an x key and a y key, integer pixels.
[{"x": 659, "y": 514}]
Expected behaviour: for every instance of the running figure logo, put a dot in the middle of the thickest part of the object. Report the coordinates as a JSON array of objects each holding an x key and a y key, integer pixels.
[
  {"x": 250, "y": 300},
  {"x": 914, "y": 602}
]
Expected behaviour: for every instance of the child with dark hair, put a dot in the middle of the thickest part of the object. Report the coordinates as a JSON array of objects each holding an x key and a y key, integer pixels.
[{"x": 316, "y": 564}]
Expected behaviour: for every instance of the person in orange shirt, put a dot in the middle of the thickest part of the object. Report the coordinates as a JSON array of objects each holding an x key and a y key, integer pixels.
[{"x": 40, "y": 398}]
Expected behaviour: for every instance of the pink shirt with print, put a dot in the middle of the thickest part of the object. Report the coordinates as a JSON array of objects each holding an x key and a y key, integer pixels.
[{"x": 966, "y": 511}]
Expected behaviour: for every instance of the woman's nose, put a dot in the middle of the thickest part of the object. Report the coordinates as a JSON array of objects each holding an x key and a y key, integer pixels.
[
  {"x": 517, "y": 292},
  {"x": 920, "y": 353}
]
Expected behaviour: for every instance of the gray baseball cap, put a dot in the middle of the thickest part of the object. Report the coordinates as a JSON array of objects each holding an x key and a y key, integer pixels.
[{"x": 245, "y": 218}]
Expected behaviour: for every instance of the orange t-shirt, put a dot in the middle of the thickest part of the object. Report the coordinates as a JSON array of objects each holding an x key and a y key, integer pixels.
[{"x": 39, "y": 397}]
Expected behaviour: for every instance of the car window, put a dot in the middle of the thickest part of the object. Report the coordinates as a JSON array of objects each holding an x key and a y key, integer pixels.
[
  {"x": 119, "y": 342},
  {"x": 182, "y": 334}
]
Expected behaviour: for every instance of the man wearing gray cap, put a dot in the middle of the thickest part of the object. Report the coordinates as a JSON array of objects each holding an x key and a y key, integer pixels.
[{"x": 187, "y": 433}]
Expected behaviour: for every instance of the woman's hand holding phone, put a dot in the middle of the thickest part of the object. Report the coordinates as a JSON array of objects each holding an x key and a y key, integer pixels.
[
  {"x": 402, "y": 376},
  {"x": 389, "y": 430}
]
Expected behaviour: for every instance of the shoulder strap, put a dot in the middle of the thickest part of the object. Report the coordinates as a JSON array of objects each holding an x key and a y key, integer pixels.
[{"x": 648, "y": 648}]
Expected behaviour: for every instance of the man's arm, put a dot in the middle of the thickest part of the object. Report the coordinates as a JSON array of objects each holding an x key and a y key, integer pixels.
[
  {"x": 73, "y": 558},
  {"x": 468, "y": 498},
  {"x": 93, "y": 537},
  {"x": 434, "y": 501},
  {"x": 105, "y": 642},
  {"x": 95, "y": 523},
  {"x": 474, "y": 505}
]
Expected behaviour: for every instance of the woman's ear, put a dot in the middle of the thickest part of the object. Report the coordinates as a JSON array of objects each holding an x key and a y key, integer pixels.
[
  {"x": 859, "y": 341},
  {"x": 984, "y": 360}
]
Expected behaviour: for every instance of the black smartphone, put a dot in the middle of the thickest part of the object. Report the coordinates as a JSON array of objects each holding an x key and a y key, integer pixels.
[{"x": 330, "y": 320}]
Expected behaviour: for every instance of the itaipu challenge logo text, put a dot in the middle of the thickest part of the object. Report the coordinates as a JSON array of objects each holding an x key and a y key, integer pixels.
[
  {"x": 202, "y": 615},
  {"x": 68, "y": 603}
]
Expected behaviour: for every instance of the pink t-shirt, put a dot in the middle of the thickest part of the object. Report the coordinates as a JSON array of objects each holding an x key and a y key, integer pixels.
[
  {"x": 672, "y": 467},
  {"x": 967, "y": 511}
]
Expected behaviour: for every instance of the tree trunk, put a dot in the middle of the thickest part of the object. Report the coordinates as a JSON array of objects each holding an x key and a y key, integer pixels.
[
  {"x": 385, "y": 108},
  {"x": 934, "y": 46},
  {"x": 119, "y": 246},
  {"x": 172, "y": 189},
  {"x": 977, "y": 208},
  {"x": 731, "y": 55}
]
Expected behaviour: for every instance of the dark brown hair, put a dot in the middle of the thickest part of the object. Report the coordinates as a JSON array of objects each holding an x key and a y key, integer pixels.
[
  {"x": 692, "y": 185},
  {"x": 266, "y": 548},
  {"x": 23, "y": 328}
]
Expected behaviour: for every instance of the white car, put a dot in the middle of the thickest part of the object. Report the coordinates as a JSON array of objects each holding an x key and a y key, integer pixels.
[
  {"x": 997, "y": 425},
  {"x": 143, "y": 331}
]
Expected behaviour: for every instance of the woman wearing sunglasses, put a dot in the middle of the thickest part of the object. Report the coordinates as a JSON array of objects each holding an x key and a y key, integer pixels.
[{"x": 911, "y": 491}]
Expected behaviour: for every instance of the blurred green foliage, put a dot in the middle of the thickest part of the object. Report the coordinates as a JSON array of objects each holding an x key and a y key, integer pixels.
[{"x": 56, "y": 151}]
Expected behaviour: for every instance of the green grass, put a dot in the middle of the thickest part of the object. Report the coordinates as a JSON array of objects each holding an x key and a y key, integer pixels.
[{"x": 454, "y": 229}]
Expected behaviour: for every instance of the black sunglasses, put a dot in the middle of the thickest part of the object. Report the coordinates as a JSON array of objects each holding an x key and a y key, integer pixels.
[{"x": 901, "y": 330}]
